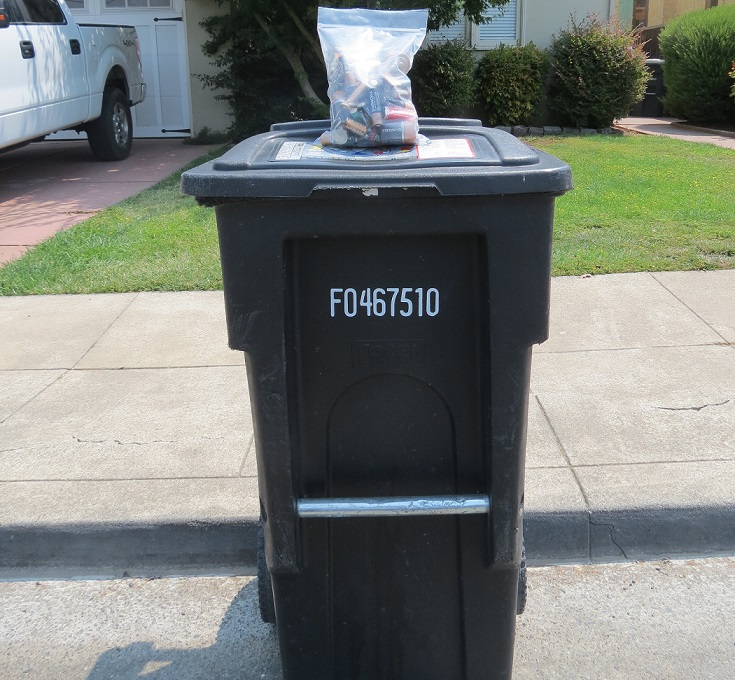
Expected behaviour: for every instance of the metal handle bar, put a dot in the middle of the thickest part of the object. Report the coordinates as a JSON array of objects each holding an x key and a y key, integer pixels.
[{"x": 393, "y": 506}]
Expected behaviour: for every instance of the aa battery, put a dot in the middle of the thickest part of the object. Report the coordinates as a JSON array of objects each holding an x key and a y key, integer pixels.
[
  {"x": 406, "y": 113},
  {"x": 398, "y": 132},
  {"x": 373, "y": 107}
]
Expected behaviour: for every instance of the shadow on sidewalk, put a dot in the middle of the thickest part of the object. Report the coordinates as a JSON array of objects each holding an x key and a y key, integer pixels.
[{"x": 245, "y": 648}]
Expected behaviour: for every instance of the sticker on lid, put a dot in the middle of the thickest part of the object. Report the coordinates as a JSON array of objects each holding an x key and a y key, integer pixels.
[
  {"x": 296, "y": 151},
  {"x": 426, "y": 150},
  {"x": 290, "y": 151},
  {"x": 445, "y": 148}
]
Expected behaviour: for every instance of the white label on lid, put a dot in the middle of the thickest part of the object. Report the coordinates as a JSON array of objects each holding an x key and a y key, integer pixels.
[
  {"x": 446, "y": 148},
  {"x": 302, "y": 151},
  {"x": 290, "y": 151}
]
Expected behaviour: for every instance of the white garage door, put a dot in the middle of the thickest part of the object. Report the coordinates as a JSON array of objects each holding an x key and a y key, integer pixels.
[{"x": 166, "y": 110}]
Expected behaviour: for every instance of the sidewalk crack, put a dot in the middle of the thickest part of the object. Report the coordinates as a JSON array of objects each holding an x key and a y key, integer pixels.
[
  {"x": 611, "y": 528},
  {"x": 691, "y": 408},
  {"x": 124, "y": 443}
]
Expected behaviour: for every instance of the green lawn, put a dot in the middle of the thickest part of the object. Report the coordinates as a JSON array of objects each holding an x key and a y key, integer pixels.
[
  {"x": 639, "y": 204},
  {"x": 643, "y": 203}
]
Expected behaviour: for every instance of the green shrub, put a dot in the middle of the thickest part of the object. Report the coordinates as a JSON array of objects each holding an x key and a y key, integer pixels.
[
  {"x": 698, "y": 50},
  {"x": 598, "y": 73},
  {"x": 732, "y": 75},
  {"x": 442, "y": 79},
  {"x": 510, "y": 82}
]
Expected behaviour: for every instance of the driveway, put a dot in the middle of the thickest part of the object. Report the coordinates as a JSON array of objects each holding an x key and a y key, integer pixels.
[{"x": 50, "y": 186}]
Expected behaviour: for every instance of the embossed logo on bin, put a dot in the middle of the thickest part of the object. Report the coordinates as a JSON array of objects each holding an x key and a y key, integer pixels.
[{"x": 389, "y": 353}]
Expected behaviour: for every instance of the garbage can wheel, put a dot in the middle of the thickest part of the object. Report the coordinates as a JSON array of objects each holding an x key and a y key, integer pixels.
[
  {"x": 265, "y": 589},
  {"x": 522, "y": 584}
]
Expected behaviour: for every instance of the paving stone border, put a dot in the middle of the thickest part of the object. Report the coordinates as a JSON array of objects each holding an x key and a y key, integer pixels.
[{"x": 552, "y": 130}]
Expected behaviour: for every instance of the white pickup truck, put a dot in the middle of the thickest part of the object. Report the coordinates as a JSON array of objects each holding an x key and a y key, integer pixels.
[{"x": 60, "y": 75}]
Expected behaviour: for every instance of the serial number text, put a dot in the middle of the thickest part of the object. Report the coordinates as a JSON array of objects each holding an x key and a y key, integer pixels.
[{"x": 384, "y": 302}]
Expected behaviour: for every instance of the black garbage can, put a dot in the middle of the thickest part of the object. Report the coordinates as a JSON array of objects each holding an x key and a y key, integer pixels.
[
  {"x": 387, "y": 304},
  {"x": 651, "y": 106}
]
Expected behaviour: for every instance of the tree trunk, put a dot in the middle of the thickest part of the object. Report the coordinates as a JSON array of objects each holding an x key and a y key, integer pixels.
[
  {"x": 313, "y": 43},
  {"x": 302, "y": 77}
]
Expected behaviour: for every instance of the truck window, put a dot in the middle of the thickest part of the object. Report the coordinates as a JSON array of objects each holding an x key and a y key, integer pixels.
[{"x": 34, "y": 12}]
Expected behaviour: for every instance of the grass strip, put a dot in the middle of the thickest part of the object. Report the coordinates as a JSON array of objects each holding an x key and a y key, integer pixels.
[
  {"x": 640, "y": 203},
  {"x": 156, "y": 240}
]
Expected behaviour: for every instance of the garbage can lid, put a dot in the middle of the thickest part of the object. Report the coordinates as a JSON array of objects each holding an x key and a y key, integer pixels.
[{"x": 458, "y": 158}]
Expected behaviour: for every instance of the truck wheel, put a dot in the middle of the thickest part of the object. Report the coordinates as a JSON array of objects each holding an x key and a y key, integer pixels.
[
  {"x": 111, "y": 135},
  {"x": 265, "y": 589}
]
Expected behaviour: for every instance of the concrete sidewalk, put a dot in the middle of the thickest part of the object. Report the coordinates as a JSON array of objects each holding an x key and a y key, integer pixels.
[
  {"x": 126, "y": 439},
  {"x": 677, "y": 129}
]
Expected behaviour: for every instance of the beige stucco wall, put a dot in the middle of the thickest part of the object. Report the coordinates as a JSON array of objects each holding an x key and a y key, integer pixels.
[
  {"x": 661, "y": 11},
  {"x": 205, "y": 109},
  {"x": 543, "y": 18}
]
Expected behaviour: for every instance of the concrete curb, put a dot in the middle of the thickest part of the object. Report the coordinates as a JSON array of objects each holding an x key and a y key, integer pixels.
[
  {"x": 116, "y": 550},
  {"x": 230, "y": 546},
  {"x": 629, "y": 534}
]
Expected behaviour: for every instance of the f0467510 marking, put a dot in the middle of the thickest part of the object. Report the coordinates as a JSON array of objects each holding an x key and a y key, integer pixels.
[{"x": 393, "y": 302}]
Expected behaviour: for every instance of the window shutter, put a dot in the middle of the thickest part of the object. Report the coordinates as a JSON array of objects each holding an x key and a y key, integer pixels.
[
  {"x": 452, "y": 32},
  {"x": 502, "y": 28}
]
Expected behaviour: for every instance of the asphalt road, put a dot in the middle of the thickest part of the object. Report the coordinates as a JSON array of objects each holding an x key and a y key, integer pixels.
[{"x": 655, "y": 620}]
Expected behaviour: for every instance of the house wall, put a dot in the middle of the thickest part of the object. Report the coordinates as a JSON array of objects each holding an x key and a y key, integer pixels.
[
  {"x": 542, "y": 19},
  {"x": 660, "y": 11},
  {"x": 206, "y": 111}
]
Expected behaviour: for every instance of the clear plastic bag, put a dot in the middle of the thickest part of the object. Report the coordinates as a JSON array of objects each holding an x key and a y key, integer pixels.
[{"x": 368, "y": 54}]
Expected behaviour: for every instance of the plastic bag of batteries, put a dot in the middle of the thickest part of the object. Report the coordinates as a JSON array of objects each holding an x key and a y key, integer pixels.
[{"x": 368, "y": 54}]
